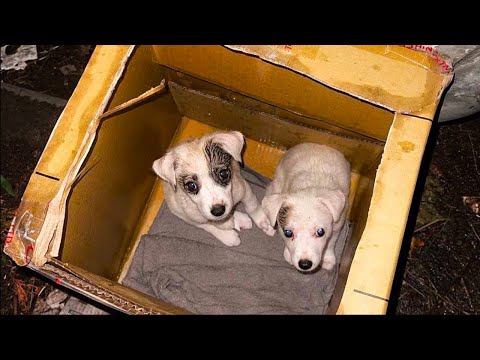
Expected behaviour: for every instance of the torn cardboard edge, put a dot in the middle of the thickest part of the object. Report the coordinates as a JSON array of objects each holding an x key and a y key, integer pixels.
[
  {"x": 444, "y": 63},
  {"x": 60, "y": 200},
  {"x": 49, "y": 239},
  {"x": 20, "y": 249},
  {"x": 70, "y": 277},
  {"x": 272, "y": 60},
  {"x": 86, "y": 288}
]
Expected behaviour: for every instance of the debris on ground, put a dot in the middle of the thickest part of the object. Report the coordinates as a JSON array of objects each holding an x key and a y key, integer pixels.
[
  {"x": 473, "y": 202},
  {"x": 52, "y": 305},
  {"x": 415, "y": 245},
  {"x": 432, "y": 193},
  {"x": 441, "y": 274},
  {"x": 59, "y": 302},
  {"x": 75, "y": 306},
  {"x": 68, "y": 69},
  {"x": 16, "y": 58}
]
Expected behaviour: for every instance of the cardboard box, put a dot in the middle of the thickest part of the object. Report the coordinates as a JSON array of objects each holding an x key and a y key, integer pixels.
[{"x": 93, "y": 193}]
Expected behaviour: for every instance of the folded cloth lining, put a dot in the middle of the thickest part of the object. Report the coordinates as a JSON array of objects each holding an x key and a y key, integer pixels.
[{"x": 188, "y": 267}]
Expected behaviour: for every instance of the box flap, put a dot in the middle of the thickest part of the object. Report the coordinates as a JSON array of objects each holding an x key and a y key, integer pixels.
[{"x": 394, "y": 77}]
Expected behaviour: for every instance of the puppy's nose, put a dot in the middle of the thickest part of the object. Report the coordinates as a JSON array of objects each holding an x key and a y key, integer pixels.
[
  {"x": 305, "y": 264},
  {"x": 218, "y": 210}
]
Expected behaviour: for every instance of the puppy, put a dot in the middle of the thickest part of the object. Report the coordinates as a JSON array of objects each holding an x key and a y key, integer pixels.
[
  {"x": 202, "y": 185},
  {"x": 308, "y": 200}
]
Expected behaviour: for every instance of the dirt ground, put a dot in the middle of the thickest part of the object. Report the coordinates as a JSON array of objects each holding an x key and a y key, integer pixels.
[
  {"x": 442, "y": 274},
  {"x": 441, "y": 268}
]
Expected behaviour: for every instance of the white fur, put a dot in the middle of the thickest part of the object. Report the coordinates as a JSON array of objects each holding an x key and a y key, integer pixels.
[
  {"x": 190, "y": 157},
  {"x": 313, "y": 181}
]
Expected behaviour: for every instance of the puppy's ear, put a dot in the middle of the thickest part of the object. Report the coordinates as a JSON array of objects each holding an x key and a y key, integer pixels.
[
  {"x": 165, "y": 168},
  {"x": 232, "y": 142},
  {"x": 334, "y": 200},
  {"x": 271, "y": 205}
]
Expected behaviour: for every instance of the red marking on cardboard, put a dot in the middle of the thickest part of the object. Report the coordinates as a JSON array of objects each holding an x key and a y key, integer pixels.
[
  {"x": 436, "y": 56},
  {"x": 11, "y": 230},
  {"x": 29, "y": 248}
]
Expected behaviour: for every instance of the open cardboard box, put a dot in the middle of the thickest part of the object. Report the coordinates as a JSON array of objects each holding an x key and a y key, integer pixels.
[{"x": 93, "y": 192}]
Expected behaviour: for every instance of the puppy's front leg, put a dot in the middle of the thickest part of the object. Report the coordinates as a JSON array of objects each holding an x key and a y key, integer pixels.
[
  {"x": 329, "y": 260},
  {"x": 228, "y": 237},
  {"x": 255, "y": 210},
  {"x": 239, "y": 221}
]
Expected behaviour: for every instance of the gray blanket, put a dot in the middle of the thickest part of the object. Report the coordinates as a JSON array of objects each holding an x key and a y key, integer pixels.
[{"x": 186, "y": 266}]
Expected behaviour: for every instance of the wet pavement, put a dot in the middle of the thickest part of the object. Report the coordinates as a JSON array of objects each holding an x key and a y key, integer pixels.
[{"x": 438, "y": 274}]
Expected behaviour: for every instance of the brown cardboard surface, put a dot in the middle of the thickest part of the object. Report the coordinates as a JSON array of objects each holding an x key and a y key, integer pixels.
[
  {"x": 375, "y": 259},
  {"x": 87, "y": 100},
  {"x": 393, "y": 77},
  {"x": 117, "y": 186},
  {"x": 269, "y": 129},
  {"x": 247, "y": 102},
  {"x": 276, "y": 86}
]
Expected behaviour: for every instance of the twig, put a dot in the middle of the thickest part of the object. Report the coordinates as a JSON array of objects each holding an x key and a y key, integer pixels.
[
  {"x": 31, "y": 302},
  {"x": 418, "y": 291},
  {"x": 445, "y": 300},
  {"x": 438, "y": 234},
  {"x": 135, "y": 101},
  {"x": 434, "y": 291},
  {"x": 473, "y": 229},
  {"x": 429, "y": 224},
  {"x": 468, "y": 294},
  {"x": 40, "y": 292},
  {"x": 448, "y": 301},
  {"x": 473, "y": 152},
  {"x": 15, "y": 304}
]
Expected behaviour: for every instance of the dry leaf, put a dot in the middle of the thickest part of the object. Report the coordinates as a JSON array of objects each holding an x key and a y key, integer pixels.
[
  {"x": 473, "y": 202},
  {"x": 415, "y": 245}
]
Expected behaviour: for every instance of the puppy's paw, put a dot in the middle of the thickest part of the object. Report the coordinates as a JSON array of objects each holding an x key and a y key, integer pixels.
[
  {"x": 328, "y": 262},
  {"x": 242, "y": 221},
  {"x": 261, "y": 220},
  {"x": 230, "y": 238},
  {"x": 286, "y": 255}
]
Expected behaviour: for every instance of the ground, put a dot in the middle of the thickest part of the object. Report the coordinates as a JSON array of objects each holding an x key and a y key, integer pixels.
[
  {"x": 442, "y": 274},
  {"x": 442, "y": 262}
]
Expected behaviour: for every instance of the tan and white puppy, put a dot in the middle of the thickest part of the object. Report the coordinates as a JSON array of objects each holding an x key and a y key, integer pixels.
[
  {"x": 308, "y": 200},
  {"x": 202, "y": 185}
]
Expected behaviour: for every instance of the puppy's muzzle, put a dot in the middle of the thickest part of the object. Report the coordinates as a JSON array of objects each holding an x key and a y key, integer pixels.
[
  {"x": 217, "y": 210},
  {"x": 305, "y": 264}
]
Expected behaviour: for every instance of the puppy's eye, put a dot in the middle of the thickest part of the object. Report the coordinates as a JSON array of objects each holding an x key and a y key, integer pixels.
[
  {"x": 320, "y": 232},
  {"x": 288, "y": 233},
  {"x": 191, "y": 186},
  {"x": 224, "y": 174}
]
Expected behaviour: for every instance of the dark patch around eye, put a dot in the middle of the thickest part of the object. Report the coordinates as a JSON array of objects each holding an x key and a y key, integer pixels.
[
  {"x": 283, "y": 216},
  {"x": 218, "y": 160}
]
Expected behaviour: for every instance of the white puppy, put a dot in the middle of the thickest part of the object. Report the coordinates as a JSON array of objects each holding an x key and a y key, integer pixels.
[
  {"x": 202, "y": 186},
  {"x": 308, "y": 200}
]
